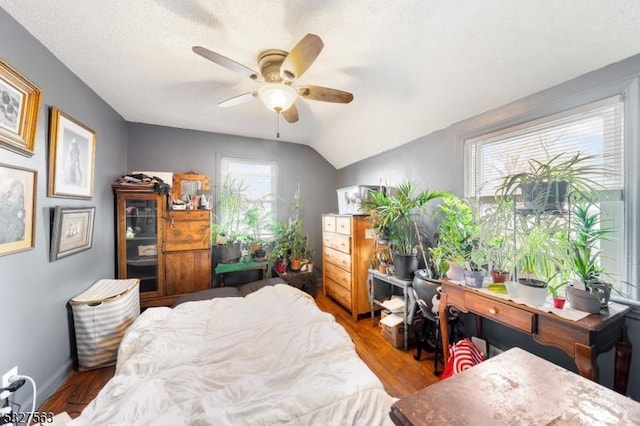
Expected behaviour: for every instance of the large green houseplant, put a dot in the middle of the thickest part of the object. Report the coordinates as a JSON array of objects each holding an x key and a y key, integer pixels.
[
  {"x": 393, "y": 215},
  {"x": 229, "y": 228},
  {"x": 457, "y": 232}
]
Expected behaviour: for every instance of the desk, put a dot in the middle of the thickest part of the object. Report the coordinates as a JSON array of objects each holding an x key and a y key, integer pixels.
[
  {"x": 409, "y": 300},
  {"x": 582, "y": 340},
  {"x": 515, "y": 388},
  {"x": 227, "y": 268}
]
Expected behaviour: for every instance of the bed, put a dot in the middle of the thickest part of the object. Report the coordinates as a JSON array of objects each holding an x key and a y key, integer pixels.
[{"x": 271, "y": 357}]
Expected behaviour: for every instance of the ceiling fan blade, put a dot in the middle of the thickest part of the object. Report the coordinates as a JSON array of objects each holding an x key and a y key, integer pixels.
[
  {"x": 325, "y": 94},
  {"x": 240, "y": 99},
  {"x": 225, "y": 62},
  {"x": 301, "y": 57},
  {"x": 291, "y": 115}
]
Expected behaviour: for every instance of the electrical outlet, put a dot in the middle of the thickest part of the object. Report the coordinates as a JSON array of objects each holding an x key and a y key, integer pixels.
[{"x": 6, "y": 376}]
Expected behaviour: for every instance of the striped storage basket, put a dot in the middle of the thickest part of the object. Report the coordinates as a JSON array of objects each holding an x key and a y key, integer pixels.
[{"x": 101, "y": 315}]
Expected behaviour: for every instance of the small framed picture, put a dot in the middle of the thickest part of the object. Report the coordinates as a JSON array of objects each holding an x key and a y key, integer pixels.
[
  {"x": 19, "y": 109},
  {"x": 17, "y": 209},
  {"x": 72, "y": 150},
  {"x": 72, "y": 231}
]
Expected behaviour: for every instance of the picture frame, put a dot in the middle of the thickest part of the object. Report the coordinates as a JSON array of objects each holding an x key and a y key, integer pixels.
[
  {"x": 72, "y": 150},
  {"x": 20, "y": 101},
  {"x": 71, "y": 231},
  {"x": 17, "y": 208}
]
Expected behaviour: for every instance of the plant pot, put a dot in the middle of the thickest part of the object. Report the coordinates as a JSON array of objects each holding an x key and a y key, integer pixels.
[
  {"x": 473, "y": 279},
  {"x": 382, "y": 268},
  {"x": 405, "y": 265},
  {"x": 260, "y": 254},
  {"x": 584, "y": 301},
  {"x": 558, "y": 302},
  {"x": 229, "y": 253},
  {"x": 455, "y": 271},
  {"x": 281, "y": 267},
  {"x": 499, "y": 276},
  {"x": 532, "y": 291},
  {"x": 546, "y": 196},
  {"x": 295, "y": 264}
]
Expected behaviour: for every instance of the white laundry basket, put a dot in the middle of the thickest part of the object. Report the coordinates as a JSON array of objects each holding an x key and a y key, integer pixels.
[{"x": 101, "y": 315}]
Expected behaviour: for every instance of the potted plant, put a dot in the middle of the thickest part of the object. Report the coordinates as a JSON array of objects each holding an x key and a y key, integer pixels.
[
  {"x": 454, "y": 241},
  {"x": 552, "y": 185},
  {"x": 229, "y": 229},
  {"x": 495, "y": 241},
  {"x": 558, "y": 297},
  {"x": 587, "y": 233},
  {"x": 393, "y": 214}
]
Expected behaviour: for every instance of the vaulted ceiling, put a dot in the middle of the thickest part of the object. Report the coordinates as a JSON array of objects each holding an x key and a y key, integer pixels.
[{"x": 413, "y": 66}]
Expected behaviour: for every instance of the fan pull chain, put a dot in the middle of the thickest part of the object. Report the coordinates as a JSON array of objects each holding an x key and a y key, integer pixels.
[{"x": 277, "y": 124}]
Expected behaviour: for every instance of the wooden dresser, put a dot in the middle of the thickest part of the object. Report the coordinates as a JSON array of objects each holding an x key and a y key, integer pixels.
[{"x": 347, "y": 244}]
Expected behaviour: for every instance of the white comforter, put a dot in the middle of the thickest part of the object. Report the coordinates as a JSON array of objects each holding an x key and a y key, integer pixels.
[{"x": 270, "y": 358}]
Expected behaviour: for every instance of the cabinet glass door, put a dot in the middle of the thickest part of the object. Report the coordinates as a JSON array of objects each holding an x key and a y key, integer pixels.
[{"x": 141, "y": 242}]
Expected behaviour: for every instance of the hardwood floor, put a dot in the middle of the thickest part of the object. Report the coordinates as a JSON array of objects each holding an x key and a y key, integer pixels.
[{"x": 400, "y": 374}]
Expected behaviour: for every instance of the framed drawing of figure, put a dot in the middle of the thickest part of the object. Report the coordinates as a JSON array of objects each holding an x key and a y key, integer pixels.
[
  {"x": 17, "y": 209},
  {"x": 72, "y": 150},
  {"x": 19, "y": 110}
]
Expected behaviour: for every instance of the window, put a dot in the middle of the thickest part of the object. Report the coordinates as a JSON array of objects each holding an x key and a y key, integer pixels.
[
  {"x": 259, "y": 180},
  {"x": 595, "y": 129}
]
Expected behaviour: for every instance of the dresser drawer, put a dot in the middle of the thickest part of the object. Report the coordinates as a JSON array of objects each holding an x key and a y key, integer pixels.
[
  {"x": 498, "y": 311},
  {"x": 329, "y": 223},
  {"x": 338, "y": 293},
  {"x": 338, "y": 275},
  {"x": 343, "y": 225},
  {"x": 335, "y": 257},
  {"x": 337, "y": 242}
]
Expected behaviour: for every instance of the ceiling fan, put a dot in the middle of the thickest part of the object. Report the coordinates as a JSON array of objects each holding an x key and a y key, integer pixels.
[{"x": 279, "y": 71}]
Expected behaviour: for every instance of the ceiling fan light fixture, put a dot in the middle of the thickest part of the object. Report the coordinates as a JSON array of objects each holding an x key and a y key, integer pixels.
[{"x": 277, "y": 97}]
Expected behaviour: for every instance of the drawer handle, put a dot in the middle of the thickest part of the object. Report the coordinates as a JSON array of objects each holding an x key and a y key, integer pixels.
[{"x": 493, "y": 310}]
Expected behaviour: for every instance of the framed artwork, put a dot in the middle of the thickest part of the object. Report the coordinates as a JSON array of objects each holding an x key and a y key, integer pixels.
[
  {"x": 17, "y": 209},
  {"x": 72, "y": 150},
  {"x": 72, "y": 231},
  {"x": 19, "y": 109}
]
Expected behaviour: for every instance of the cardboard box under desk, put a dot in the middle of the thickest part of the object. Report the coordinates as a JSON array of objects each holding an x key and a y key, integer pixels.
[{"x": 395, "y": 334}]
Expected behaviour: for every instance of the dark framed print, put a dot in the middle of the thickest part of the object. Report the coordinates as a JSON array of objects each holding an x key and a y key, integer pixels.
[
  {"x": 72, "y": 150},
  {"x": 17, "y": 208},
  {"x": 72, "y": 231},
  {"x": 19, "y": 109}
]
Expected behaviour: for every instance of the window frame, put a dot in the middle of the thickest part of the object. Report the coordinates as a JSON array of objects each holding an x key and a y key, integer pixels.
[{"x": 532, "y": 109}]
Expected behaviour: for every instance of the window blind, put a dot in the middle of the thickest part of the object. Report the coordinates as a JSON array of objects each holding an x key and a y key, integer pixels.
[{"x": 595, "y": 129}]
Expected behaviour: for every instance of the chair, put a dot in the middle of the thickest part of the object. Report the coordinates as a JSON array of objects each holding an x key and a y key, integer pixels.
[{"x": 424, "y": 292}]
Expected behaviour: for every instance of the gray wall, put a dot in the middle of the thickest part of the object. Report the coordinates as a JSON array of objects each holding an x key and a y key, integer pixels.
[
  {"x": 435, "y": 161},
  {"x": 157, "y": 148},
  {"x": 33, "y": 291}
]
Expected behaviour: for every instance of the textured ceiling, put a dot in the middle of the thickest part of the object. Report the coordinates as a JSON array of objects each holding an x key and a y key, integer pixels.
[{"x": 414, "y": 66}]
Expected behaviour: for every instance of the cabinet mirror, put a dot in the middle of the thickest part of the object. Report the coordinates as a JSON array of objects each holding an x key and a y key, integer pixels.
[{"x": 186, "y": 185}]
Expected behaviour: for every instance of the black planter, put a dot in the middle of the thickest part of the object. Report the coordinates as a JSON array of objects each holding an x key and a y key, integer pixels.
[
  {"x": 546, "y": 196},
  {"x": 229, "y": 253},
  {"x": 405, "y": 265}
]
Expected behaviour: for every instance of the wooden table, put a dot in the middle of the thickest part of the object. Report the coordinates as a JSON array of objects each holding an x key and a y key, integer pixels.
[
  {"x": 515, "y": 388},
  {"x": 582, "y": 340}
]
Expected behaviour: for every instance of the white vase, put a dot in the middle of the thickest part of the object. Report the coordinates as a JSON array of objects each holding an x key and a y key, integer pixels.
[{"x": 455, "y": 271}]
